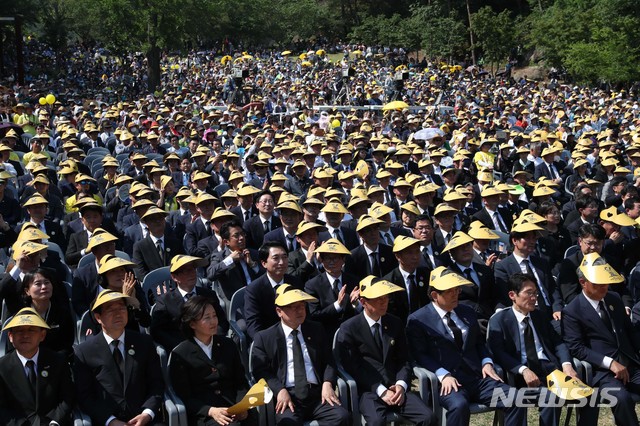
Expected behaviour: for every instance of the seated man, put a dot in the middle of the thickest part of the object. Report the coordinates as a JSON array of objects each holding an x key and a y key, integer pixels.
[
  {"x": 444, "y": 337},
  {"x": 35, "y": 383},
  {"x": 373, "y": 349},
  {"x": 597, "y": 329},
  {"x": 523, "y": 342},
  {"x": 294, "y": 356},
  {"x": 165, "y": 319},
  {"x": 117, "y": 372}
]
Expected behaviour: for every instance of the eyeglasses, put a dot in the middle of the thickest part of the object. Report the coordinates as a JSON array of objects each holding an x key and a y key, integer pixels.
[
  {"x": 423, "y": 228},
  {"x": 266, "y": 202},
  {"x": 530, "y": 294},
  {"x": 591, "y": 243}
]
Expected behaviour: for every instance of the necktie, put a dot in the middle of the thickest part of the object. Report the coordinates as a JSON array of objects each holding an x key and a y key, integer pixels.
[
  {"x": 290, "y": 246},
  {"x": 530, "y": 347},
  {"x": 160, "y": 250},
  {"x": 377, "y": 337},
  {"x": 299, "y": 372},
  {"x": 427, "y": 259},
  {"x": 246, "y": 215},
  {"x": 483, "y": 255},
  {"x": 457, "y": 333},
  {"x": 266, "y": 226},
  {"x": 31, "y": 374},
  {"x": 375, "y": 266},
  {"x": 447, "y": 238},
  {"x": 552, "y": 169},
  {"x": 498, "y": 220},
  {"x": 388, "y": 239},
  {"x": 188, "y": 296},
  {"x": 336, "y": 235},
  {"x": 413, "y": 293},
  {"x": 604, "y": 315},
  {"x": 336, "y": 288},
  {"x": 207, "y": 225},
  {"x": 467, "y": 272},
  {"x": 117, "y": 357},
  {"x": 527, "y": 264}
]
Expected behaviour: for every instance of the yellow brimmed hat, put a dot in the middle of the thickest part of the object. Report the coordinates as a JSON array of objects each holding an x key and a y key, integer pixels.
[
  {"x": 26, "y": 248},
  {"x": 597, "y": 271},
  {"x": 478, "y": 231},
  {"x": 410, "y": 207},
  {"x": 378, "y": 210},
  {"x": 334, "y": 206},
  {"x": 26, "y": 317},
  {"x": 110, "y": 262},
  {"x": 247, "y": 190},
  {"x": 305, "y": 226},
  {"x": 490, "y": 191},
  {"x": 204, "y": 197},
  {"x": 142, "y": 203},
  {"x": 290, "y": 205},
  {"x": 107, "y": 296},
  {"x": 567, "y": 387},
  {"x": 444, "y": 208},
  {"x": 287, "y": 295},
  {"x": 32, "y": 234},
  {"x": 458, "y": 239},
  {"x": 221, "y": 213},
  {"x": 443, "y": 279},
  {"x": 99, "y": 236},
  {"x": 366, "y": 221},
  {"x": 333, "y": 246},
  {"x": 542, "y": 190},
  {"x": 152, "y": 212},
  {"x": 523, "y": 225},
  {"x": 181, "y": 260},
  {"x": 612, "y": 215},
  {"x": 372, "y": 287},
  {"x": 402, "y": 242},
  {"x": 34, "y": 200}
]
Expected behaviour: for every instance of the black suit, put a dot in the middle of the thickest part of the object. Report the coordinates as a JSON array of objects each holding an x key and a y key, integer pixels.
[
  {"x": 349, "y": 237},
  {"x": 269, "y": 361},
  {"x": 324, "y": 310},
  {"x": 372, "y": 367},
  {"x": 589, "y": 339},
  {"x": 78, "y": 242},
  {"x": 300, "y": 268},
  {"x": 486, "y": 219},
  {"x": 147, "y": 258},
  {"x": 201, "y": 382},
  {"x": 100, "y": 384},
  {"x": 207, "y": 247},
  {"x": 195, "y": 232},
  {"x": 359, "y": 262},
  {"x": 178, "y": 221},
  {"x": 237, "y": 210},
  {"x": 399, "y": 302},
  {"x": 84, "y": 288},
  {"x": 255, "y": 230},
  {"x": 480, "y": 295},
  {"x": 165, "y": 318},
  {"x": 232, "y": 277},
  {"x": 55, "y": 394},
  {"x": 259, "y": 303},
  {"x": 278, "y": 235}
]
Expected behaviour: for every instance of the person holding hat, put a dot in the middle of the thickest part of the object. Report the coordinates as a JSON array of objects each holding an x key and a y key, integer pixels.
[
  {"x": 523, "y": 342},
  {"x": 613, "y": 221},
  {"x": 258, "y": 226},
  {"x": 206, "y": 370},
  {"x": 336, "y": 290},
  {"x": 299, "y": 181},
  {"x": 549, "y": 168},
  {"x": 445, "y": 338},
  {"x": 165, "y": 319},
  {"x": 482, "y": 237},
  {"x": 294, "y": 356},
  {"x": 303, "y": 261},
  {"x": 35, "y": 381},
  {"x": 384, "y": 387},
  {"x": 117, "y": 372},
  {"x": 158, "y": 247},
  {"x": 524, "y": 236},
  {"x": 597, "y": 329}
]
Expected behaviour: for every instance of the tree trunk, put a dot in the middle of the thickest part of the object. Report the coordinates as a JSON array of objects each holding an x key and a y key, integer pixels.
[
  {"x": 473, "y": 51},
  {"x": 153, "y": 54}
]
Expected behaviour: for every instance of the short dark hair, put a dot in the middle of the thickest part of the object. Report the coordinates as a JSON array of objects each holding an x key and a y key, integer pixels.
[
  {"x": 584, "y": 201},
  {"x": 424, "y": 217},
  {"x": 265, "y": 248},
  {"x": 225, "y": 232},
  {"x": 630, "y": 202},
  {"x": 617, "y": 180},
  {"x": 631, "y": 190},
  {"x": 545, "y": 207},
  {"x": 193, "y": 310},
  {"x": 592, "y": 230},
  {"x": 261, "y": 193},
  {"x": 516, "y": 281},
  {"x": 30, "y": 276}
]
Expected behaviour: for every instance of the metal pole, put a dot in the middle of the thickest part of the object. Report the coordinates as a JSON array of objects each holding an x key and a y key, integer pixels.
[{"x": 19, "y": 58}]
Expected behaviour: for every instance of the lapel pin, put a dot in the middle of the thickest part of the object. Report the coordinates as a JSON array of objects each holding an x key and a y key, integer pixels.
[
  {"x": 382, "y": 259},
  {"x": 218, "y": 344},
  {"x": 611, "y": 307},
  {"x": 131, "y": 352},
  {"x": 44, "y": 373},
  {"x": 309, "y": 338},
  {"x": 53, "y": 232},
  {"x": 392, "y": 342},
  {"x": 421, "y": 284},
  {"x": 214, "y": 370}
]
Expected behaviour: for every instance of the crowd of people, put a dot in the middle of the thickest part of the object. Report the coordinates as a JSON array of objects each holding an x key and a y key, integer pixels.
[{"x": 425, "y": 214}]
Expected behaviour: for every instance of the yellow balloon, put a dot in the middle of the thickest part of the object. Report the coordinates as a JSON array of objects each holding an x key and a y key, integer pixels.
[
  {"x": 42, "y": 101},
  {"x": 335, "y": 123},
  {"x": 51, "y": 99}
]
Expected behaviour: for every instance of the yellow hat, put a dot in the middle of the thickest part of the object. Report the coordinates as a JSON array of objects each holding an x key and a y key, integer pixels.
[
  {"x": 443, "y": 278},
  {"x": 204, "y": 197},
  {"x": 444, "y": 208},
  {"x": 372, "y": 287},
  {"x": 41, "y": 178},
  {"x": 612, "y": 215},
  {"x": 247, "y": 190},
  {"x": 411, "y": 207},
  {"x": 289, "y": 205},
  {"x": 122, "y": 179},
  {"x": 530, "y": 216},
  {"x": 258, "y": 395},
  {"x": 32, "y": 234},
  {"x": 597, "y": 271},
  {"x": 107, "y": 296},
  {"x": 287, "y": 295},
  {"x": 403, "y": 242},
  {"x": 424, "y": 188},
  {"x": 333, "y": 246},
  {"x": 164, "y": 181},
  {"x": 110, "y": 262},
  {"x": 402, "y": 183},
  {"x": 34, "y": 200},
  {"x": 80, "y": 177},
  {"x": 26, "y": 248},
  {"x": 378, "y": 210},
  {"x": 334, "y": 206},
  {"x": 490, "y": 191},
  {"x": 221, "y": 213},
  {"x": 523, "y": 225},
  {"x": 567, "y": 387},
  {"x": 152, "y": 212},
  {"x": 355, "y": 200},
  {"x": 142, "y": 203},
  {"x": 181, "y": 260},
  {"x": 458, "y": 239},
  {"x": 99, "y": 236},
  {"x": 478, "y": 231},
  {"x": 366, "y": 221},
  {"x": 26, "y": 317},
  {"x": 542, "y": 190},
  {"x": 305, "y": 226}
]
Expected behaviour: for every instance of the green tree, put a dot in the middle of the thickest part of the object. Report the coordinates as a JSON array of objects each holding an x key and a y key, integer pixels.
[{"x": 494, "y": 34}]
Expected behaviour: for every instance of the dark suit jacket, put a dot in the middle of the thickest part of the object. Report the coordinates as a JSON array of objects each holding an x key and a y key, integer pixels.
[
  {"x": 201, "y": 382},
  {"x": 147, "y": 258},
  {"x": 131, "y": 235},
  {"x": 399, "y": 302},
  {"x": 77, "y": 243},
  {"x": 238, "y": 212},
  {"x": 99, "y": 383},
  {"x": 481, "y": 297},
  {"x": 278, "y": 235},
  {"x": 84, "y": 288},
  {"x": 359, "y": 265},
  {"x": 269, "y": 356},
  {"x": 509, "y": 266},
  {"x": 432, "y": 347},
  {"x": 543, "y": 170},
  {"x": 231, "y": 278},
  {"x": 195, "y": 232},
  {"x": 324, "y": 310},
  {"x": 207, "y": 246},
  {"x": 178, "y": 221},
  {"x": 486, "y": 219},
  {"x": 504, "y": 340},
  {"x": 255, "y": 230},
  {"x": 588, "y": 339},
  {"x": 300, "y": 268},
  {"x": 350, "y": 237},
  {"x": 55, "y": 394},
  {"x": 259, "y": 303},
  {"x": 361, "y": 358}
]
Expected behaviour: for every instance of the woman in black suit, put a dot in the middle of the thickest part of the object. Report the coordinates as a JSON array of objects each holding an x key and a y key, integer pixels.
[
  {"x": 37, "y": 286},
  {"x": 205, "y": 370}
]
